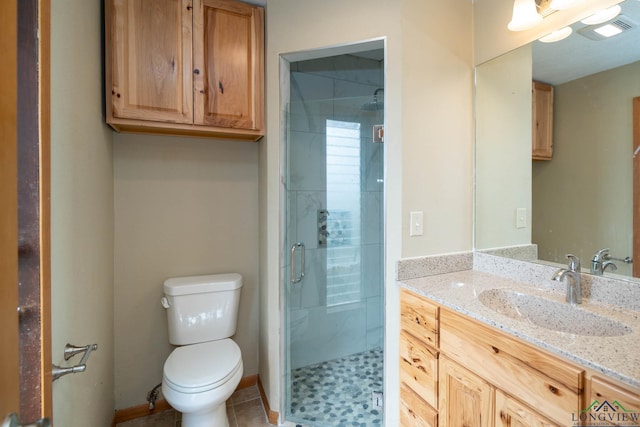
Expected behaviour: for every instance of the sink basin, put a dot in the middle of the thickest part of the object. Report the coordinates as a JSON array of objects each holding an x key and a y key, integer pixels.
[{"x": 551, "y": 314}]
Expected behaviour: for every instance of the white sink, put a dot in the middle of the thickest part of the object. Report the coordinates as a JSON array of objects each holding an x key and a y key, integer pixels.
[{"x": 550, "y": 314}]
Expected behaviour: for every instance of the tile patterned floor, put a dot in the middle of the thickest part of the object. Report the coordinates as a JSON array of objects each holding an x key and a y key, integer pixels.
[
  {"x": 337, "y": 393},
  {"x": 244, "y": 409}
]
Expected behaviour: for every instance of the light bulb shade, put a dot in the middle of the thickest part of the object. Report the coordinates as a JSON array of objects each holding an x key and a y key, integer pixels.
[
  {"x": 563, "y": 4},
  {"x": 557, "y": 35},
  {"x": 603, "y": 15},
  {"x": 525, "y": 15}
]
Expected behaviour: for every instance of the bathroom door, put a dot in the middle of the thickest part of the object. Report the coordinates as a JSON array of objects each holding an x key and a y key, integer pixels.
[
  {"x": 334, "y": 198},
  {"x": 9, "y": 364}
]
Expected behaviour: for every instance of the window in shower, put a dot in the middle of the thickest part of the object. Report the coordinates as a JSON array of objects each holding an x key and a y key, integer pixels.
[{"x": 343, "y": 204}]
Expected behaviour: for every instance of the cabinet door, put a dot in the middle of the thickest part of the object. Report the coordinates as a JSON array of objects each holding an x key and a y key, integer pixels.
[
  {"x": 465, "y": 399},
  {"x": 542, "y": 123},
  {"x": 512, "y": 413},
  {"x": 148, "y": 61},
  {"x": 228, "y": 61}
]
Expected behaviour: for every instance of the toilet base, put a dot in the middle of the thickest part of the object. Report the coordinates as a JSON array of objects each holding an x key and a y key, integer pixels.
[{"x": 216, "y": 417}]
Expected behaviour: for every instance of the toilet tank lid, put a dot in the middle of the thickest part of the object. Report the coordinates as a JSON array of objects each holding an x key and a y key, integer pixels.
[{"x": 200, "y": 284}]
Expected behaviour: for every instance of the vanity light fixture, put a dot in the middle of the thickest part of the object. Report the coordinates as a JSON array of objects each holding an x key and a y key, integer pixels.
[
  {"x": 603, "y": 16},
  {"x": 557, "y": 35},
  {"x": 525, "y": 15}
]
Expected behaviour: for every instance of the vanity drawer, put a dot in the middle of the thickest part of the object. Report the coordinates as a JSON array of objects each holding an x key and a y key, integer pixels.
[
  {"x": 415, "y": 412},
  {"x": 521, "y": 370},
  {"x": 419, "y": 367},
  {"x": 419, "y": 317}
]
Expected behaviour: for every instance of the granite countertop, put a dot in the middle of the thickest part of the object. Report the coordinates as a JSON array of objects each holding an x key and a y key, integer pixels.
[{"x": 616, "y": 356}]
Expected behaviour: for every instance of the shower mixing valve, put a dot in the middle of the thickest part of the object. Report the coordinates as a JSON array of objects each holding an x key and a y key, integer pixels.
[{"x": 323, "y": 234}]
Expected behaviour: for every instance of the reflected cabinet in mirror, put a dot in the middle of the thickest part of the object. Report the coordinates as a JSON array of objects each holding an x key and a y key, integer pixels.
[{"x": 580, "y": 199}]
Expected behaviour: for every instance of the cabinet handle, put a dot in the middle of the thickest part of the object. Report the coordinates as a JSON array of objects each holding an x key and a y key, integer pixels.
[
  {"x": 220, "y": 87},
  {"x": 196, "y": 71}
]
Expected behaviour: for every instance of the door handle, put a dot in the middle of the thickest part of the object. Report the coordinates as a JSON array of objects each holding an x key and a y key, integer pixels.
[{"x": 294, "y": 249}]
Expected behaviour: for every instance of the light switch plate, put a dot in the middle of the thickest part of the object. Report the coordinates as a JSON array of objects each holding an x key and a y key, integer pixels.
[{"x": 416, "y": 219}]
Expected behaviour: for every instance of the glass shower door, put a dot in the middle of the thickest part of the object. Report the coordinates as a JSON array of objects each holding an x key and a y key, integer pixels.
[{"x": 334, "y": 302}]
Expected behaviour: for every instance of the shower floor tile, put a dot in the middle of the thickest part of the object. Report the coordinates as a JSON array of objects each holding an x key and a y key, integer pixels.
[{"x": 337, "y": 393}]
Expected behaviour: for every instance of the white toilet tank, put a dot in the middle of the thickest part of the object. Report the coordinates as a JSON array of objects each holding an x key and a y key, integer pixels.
[{"x": 202, "y": 308}]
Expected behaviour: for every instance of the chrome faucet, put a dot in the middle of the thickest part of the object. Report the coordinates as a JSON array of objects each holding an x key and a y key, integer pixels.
[
  {"x": 574, "y": 283},
  {"x": 599, "y": 262}
]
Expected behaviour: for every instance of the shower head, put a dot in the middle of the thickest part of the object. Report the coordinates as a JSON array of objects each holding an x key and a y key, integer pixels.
[{"x": 377, "y": 103}]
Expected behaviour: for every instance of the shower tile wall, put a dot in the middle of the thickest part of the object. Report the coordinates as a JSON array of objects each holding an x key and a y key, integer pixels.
[{"x": 318, "y": 91}]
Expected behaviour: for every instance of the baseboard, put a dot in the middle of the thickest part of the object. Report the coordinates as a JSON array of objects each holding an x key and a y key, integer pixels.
[
  {"x": 127, "y": 414},
  {"x": 272, "y": 416},
  {"x": 247, "y": 381}
]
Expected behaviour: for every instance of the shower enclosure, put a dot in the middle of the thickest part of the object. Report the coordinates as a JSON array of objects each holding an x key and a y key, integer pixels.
[{"x": 334, "y": 238}]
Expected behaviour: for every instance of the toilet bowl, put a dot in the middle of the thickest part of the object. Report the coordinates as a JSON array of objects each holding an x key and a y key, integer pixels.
[
  {"x": 198, "y": 379},
  {"x": 202, "y": 373}
]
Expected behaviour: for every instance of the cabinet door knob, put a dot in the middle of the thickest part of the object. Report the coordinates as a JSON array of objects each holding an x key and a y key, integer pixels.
[{"x": 196, "y": 71}]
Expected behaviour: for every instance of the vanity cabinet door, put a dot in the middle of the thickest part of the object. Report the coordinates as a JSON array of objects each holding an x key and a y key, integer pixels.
[
  {"x": 228, "y": 61},
  {"x": 465, "y": 399},
  {"x": 148, "y": 60},
  {"x": 512, "y": 413}
]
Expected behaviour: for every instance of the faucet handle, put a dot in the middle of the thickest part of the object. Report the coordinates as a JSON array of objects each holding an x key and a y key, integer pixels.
[
  {"x": 601, "y": 255},
  {"x": 574, "y": 263}
]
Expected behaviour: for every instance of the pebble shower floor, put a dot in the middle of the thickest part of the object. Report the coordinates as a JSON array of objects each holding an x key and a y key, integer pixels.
[{"x": 337, "y": 393}]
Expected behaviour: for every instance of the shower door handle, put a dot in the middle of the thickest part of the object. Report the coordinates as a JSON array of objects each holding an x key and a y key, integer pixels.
[{"x": 294, "y": 249}]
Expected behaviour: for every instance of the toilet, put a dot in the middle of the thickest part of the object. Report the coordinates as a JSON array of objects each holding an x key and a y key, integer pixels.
[{"x": 202, "y": 373}]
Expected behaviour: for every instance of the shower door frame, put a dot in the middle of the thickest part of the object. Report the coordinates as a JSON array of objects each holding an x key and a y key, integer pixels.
[{"x": 285, "y": 85}]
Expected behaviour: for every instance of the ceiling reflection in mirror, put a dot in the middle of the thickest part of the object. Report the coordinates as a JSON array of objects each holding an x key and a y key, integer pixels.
[{"x": 580, "y": 201}]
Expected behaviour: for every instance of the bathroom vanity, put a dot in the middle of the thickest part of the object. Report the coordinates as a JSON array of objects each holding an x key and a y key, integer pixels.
[{"x": 467, "y": 358}]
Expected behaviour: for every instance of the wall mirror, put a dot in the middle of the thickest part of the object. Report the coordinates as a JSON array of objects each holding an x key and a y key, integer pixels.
[{"x": 581, "y": 199}]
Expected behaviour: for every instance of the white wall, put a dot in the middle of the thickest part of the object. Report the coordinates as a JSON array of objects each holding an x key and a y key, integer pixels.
[
  {"x": 428, "y": 91},
  {"x": 81, "y": 215},
  {"x": 183, "y": 206}
]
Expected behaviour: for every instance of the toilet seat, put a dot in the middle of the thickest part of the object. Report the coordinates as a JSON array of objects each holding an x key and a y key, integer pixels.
[{"x": 201, "y": 367}]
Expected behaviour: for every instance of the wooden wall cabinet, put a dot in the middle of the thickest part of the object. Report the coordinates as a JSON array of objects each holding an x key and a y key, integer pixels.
[
  {"x": 542, "y": 121},
  {"x": 190, "y": 67}
]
